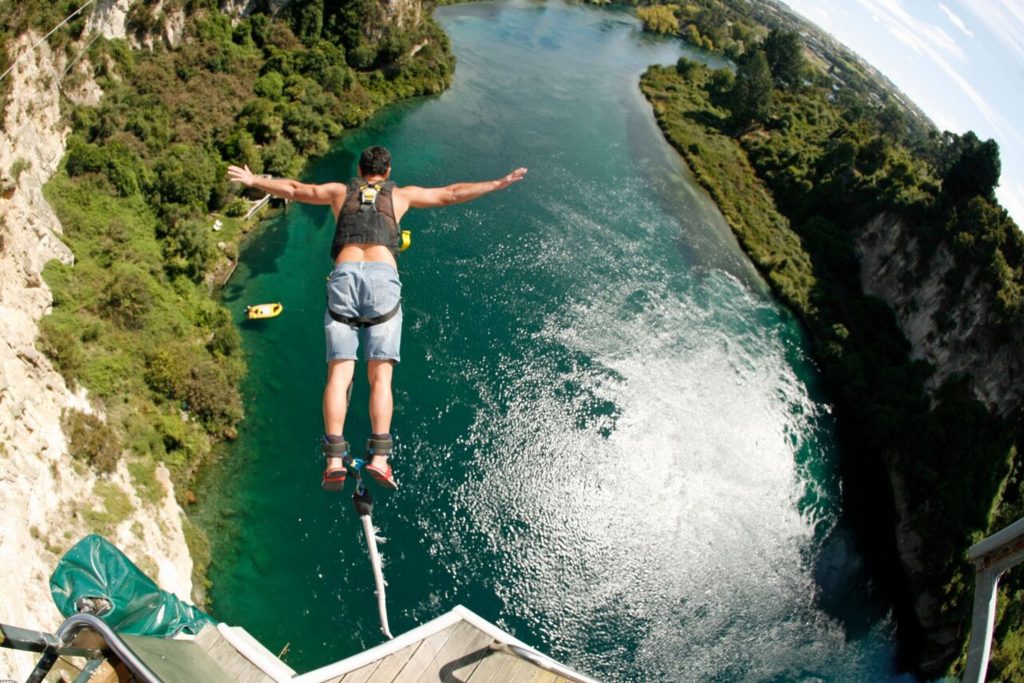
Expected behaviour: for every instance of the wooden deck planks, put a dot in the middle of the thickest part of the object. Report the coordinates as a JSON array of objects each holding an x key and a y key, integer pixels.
[
  {"x": 385, "y": 668},
  {"x": 361, "y": 675},
  {"x": 179, "y": 661},
  {"x": 240, "y": 669},
  {"x": 459, "y": 653},
  {"x": 501, "y": 667},
  {"x": 459, "y": 656},
  {"x": 423, "y": 655},
  {"x": 542, "y": 676}
]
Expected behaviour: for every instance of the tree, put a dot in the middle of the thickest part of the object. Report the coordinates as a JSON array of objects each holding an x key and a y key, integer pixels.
[
  {"x": 260, "y": 119},
  {"x": 659, "y": 19},
  {"x": 785, "y": 56},
  {"x": 686, "y": 67},
  {"x": 186, "y": 175},
  {"x": 307, "y": 20},
  {"x": 279, "y": 157},
  {"x": 971, "y": 167},
  {"x": 270, "y": 85},
  {"x": 129, "y": 296},
  {"x": 751, "y": 94},
  {"x": 187, "y": 248},
  {"x": 713, "y": 24}
]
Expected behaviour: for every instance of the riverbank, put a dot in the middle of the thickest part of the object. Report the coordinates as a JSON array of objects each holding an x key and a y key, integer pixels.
[{"x": 808, "y": 194}]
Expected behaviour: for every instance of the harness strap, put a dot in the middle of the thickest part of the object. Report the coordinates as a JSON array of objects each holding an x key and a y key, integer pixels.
[{"x": 365, "y": 321}]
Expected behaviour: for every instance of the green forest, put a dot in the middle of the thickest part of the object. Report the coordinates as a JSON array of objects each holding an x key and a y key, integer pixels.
[
  {"x": 796, "y": 171},
  {"x": 136, "y": 319}
]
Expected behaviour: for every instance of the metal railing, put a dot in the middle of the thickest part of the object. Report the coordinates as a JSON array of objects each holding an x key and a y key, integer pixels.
[
  {"x": 82, "y": 635},
  {"x": 992, "y": 557}
]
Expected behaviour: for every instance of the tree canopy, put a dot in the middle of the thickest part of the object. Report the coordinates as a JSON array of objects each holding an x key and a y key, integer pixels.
[
  {"x": 972, "y": 167},
  {"x": 751, "y": 94},
  {"x": 785, "y": 56}
]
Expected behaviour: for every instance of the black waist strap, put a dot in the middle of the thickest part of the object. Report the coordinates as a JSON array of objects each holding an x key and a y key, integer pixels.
[{"x": 365, "y": 321}]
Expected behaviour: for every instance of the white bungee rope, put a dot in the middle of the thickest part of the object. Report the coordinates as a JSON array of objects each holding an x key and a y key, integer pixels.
[
  {"x": 378, "y": 572},
  {"x": 364, "y": 508}
]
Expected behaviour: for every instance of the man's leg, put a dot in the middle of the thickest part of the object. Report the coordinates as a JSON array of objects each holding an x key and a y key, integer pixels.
[
  {"x": 336, "y": 397},
  {"x": 383, "y": 343},
  {"x": 339, "y": 377},
  {"x": 382, "y": 405}
]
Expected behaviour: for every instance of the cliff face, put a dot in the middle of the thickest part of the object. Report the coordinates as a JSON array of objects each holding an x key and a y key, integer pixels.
[
  {"x": 402, "y": 14},
  {"x": 46, "y": 494},
  {"x": 957, "y": 329},
  {"x": 245, "y": 7},
  {"x": 110, "y": 19},
  {"x": 958, "y": 339}
]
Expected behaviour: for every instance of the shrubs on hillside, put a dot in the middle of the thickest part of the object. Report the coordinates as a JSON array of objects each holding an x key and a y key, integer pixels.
[{"x": 133, "y": 320}]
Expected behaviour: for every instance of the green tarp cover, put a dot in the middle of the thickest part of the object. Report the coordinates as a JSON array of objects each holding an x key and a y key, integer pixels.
[{"x": 94, "y": 568}]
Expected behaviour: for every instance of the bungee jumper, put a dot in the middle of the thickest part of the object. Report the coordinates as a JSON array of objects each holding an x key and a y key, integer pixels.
[
  {"x": 364, "y": 293},
  {"x": 364, "y": 307}
]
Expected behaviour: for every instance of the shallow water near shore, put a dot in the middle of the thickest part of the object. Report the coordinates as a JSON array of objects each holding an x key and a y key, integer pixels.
[{"x": 611, "y": 440}]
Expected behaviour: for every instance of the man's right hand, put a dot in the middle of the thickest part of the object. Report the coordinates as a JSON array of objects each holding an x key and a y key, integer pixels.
[{"x": 241, "y": 174}]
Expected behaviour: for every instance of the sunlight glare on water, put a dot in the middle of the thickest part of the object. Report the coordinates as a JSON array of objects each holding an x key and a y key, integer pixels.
[{"x": 680, "y": 505}]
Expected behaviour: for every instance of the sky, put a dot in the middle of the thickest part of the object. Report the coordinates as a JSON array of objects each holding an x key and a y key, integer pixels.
[{"x": 960, "y": 61}]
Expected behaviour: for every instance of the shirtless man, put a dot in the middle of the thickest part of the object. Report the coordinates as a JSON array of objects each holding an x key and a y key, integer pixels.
[{"x": 364, "y": 291}]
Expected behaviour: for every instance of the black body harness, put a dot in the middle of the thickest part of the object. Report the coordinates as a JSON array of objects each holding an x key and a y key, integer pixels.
[{"x": 367, "y": 217}]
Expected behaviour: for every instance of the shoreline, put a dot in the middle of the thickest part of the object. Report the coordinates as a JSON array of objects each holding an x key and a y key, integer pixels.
[{"x": 881, "y": 556}]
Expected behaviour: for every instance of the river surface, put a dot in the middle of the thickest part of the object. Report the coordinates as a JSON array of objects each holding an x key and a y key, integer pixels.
[{"x": 611, "y": 441}]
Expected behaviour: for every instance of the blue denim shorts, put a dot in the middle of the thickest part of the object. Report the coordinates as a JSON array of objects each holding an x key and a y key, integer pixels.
[{"x": 363, "y": 289}]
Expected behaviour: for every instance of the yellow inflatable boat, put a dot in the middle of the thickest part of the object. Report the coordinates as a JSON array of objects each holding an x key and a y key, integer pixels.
[{"x": 258, "y": 311}]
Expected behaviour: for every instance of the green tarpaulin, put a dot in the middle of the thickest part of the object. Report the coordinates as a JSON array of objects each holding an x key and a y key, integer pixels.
[{"x": 95, "y": 569}]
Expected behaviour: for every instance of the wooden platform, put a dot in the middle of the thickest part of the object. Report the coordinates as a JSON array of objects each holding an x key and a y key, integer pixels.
[
  {"x": 460, "y": 652},
  {"x": 457, "y": 646}
]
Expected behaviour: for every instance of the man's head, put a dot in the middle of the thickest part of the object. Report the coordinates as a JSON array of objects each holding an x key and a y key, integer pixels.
[{"x": 375, "y": 160}]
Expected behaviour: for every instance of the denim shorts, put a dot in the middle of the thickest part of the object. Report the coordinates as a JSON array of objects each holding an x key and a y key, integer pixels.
[{"x": 363, "y": 289}]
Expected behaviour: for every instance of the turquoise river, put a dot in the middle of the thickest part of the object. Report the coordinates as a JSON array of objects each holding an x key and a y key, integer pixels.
[{"x": 612, "y": 442}]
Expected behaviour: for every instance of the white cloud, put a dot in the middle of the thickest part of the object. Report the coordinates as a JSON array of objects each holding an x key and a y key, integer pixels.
[
  {"x": 934, "y": 44},
  {"x": 956, "y": 20},
  {"x": 1004, "y": 18},
  {"x": 924, "y": 37},
  {"x": 827, "y": 16}
]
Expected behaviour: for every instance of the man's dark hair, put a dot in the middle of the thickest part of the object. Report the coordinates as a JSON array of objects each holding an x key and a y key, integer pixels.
[{"x": 375, "y": 160}]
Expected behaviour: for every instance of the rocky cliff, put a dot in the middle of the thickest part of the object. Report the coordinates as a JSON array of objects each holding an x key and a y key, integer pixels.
[
  {"x": 958, "y": 332},
  {"x": 47, "y": 496},
  {"x": 951, "y": 317}
]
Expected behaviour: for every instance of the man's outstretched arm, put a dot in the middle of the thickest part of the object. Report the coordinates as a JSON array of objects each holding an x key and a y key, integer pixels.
[
  {"x": 427, "y": 197},
  {"x": 307, "y": 193}
]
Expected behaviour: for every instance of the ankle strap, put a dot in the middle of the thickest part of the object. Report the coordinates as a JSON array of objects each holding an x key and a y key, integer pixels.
[
  {"x": 380, "y": 446},
  {"x": 334, "y": 449}
]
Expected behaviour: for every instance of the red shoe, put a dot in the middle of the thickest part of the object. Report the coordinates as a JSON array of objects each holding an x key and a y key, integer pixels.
[
  {"x": 382, "y": 476},
  {"x": 334, "y": 476}
]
